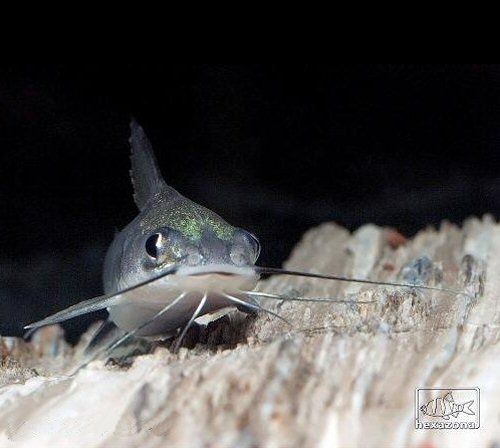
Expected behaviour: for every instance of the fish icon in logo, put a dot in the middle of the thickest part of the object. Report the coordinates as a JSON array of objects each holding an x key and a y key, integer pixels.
[{"x": 446, "y": 407}]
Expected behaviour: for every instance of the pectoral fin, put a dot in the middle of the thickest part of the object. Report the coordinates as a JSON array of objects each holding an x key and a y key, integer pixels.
[{"x": 85, "y": 307}]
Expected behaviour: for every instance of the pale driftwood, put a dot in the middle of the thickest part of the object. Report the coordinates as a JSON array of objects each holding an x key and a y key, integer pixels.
[{"x": 344, "y": 376}]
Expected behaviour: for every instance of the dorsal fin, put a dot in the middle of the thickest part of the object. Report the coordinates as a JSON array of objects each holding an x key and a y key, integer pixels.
[{"x": 145, "y": 173}]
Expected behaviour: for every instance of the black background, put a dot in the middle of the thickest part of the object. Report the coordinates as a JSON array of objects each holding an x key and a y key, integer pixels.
[{"x": 275, "y": 149}]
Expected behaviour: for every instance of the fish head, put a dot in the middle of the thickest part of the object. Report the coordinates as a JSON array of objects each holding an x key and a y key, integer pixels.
[
  {"x": 175, "y": 234},
  {"x": 423, "y": 409}
]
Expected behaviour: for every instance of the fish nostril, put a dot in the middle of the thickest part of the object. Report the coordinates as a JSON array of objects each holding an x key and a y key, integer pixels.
[{"x": 193, "y": 257}]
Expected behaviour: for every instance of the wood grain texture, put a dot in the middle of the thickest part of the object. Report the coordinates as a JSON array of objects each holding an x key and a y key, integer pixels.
[{"x": 344, "y": 375}]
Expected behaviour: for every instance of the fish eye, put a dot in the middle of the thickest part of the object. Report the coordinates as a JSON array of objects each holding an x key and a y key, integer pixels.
[
  {"x": 255, "y": 244},
  {"x": 238, "y": 255},
  {"x": 153, "y": 244},
  {"x": 245, "y": 248}
]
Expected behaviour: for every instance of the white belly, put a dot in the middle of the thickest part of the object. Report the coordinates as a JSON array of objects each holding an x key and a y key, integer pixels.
[{"x": 143, "y": 303}]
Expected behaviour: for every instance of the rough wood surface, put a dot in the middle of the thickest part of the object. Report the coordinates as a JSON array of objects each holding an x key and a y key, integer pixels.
[{"x": 345, "y": 375}]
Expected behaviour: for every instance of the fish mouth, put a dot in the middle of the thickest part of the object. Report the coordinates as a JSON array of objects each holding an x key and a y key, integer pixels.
[
  {"x": 215, "y": 269},
  {"x": 215, "y": 278}
]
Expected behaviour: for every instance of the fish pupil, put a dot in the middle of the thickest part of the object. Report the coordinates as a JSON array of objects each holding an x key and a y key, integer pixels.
[{"x": 152, "y": 245}]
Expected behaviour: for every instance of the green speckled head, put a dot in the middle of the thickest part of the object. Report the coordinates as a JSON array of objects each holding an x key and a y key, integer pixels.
[
  {"x": 187, "y": 217},
  {"x": 170, "y": 229}
]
